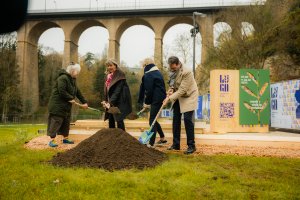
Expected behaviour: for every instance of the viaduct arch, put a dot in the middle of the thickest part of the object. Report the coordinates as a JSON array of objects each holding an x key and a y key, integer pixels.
[{"x": 73, "y": 24}]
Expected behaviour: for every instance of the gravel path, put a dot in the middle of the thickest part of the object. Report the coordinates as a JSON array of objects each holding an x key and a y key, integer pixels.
[{"x": 41, "y": 142}]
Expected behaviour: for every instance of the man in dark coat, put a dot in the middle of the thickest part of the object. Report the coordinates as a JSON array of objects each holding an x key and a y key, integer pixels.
[
  {"x": 62, "y": 97},
  {"x": 152, "y": 94},
  {"x": 117, "y": 94}
]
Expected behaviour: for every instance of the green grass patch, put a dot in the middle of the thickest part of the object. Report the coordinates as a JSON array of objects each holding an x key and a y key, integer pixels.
[{"x": 25, "y": 174}]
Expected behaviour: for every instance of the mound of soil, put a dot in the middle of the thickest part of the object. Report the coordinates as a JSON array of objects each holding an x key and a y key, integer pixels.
[{"x": 110, "y": 149}]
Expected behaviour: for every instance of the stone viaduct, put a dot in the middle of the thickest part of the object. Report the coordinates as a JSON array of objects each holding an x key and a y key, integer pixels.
[{"x": 116, "y": 22}]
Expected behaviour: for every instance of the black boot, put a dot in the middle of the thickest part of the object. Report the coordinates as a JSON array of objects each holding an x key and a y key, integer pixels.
[{"x": 190, "y": 150}]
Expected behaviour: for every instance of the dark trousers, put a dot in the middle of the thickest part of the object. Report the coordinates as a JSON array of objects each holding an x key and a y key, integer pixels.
[
  {"x": 58, "y": 125},
  {"x": 188, "y": 123},
  {"x": 112, "y": 124},
  {"x": 156, "y": 128}
]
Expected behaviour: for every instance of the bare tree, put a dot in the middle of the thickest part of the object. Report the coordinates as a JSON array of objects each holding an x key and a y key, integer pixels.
[
  {"x": 249, "y": 50},
  {"x": 183, "y": 47},
  {"x": 259, "y": 44},
  {"x": 183, "y": 44}
]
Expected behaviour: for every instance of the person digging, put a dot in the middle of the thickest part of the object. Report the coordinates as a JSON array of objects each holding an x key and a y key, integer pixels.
[
  {"x": 117, "y": 98},
  {"x": 152, "y": 94},
  {"x": 62, "y": 97}
]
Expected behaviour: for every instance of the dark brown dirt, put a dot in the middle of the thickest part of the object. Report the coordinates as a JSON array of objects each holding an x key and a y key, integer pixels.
[{"x": 110, "y": 149}]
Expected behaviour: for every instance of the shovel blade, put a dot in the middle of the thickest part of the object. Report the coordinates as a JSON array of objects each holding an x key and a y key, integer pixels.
[
  {"x": 132, "y": 116},
  {"x": 114, "y": 110},
  {"x": 145, "y": 137}
]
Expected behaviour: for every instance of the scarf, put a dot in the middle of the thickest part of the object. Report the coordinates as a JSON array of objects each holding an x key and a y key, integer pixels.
[
  {"x": 172, "y": 77},
  {"x": 148, "y": 67},
  {"x": 108, "y": 80},
  {"x": 142, "y": 87}
]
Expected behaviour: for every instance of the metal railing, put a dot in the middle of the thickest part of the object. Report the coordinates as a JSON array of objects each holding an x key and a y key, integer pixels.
[{"x": 38, "y": 6}]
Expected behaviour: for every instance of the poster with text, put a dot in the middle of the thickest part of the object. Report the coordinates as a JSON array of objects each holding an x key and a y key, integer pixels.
[
  {"x": 254, "y": 96},
  {"x": 285, "y": 104}
]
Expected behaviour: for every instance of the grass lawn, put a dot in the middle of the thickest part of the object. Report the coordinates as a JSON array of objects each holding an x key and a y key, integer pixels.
[{"x": 24, "y": 174}]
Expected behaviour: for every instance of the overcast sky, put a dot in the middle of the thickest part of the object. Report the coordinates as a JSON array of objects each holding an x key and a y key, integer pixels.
[{"x": 136, "y": 43}]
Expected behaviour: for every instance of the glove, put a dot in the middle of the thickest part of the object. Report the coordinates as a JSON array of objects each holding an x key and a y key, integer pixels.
[
  {"x": 105, "y": 104},
  {"x": 146, "y": 106}
]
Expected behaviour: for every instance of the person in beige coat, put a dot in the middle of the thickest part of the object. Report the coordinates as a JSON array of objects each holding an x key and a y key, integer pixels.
[{"x": 183, "y": 93}]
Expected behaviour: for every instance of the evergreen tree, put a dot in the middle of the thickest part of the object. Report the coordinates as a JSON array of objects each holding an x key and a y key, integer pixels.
[
  {"x": 10, "y": 99},
  {"x": 48, "y": 66},
  {"x": 99, "y": 80}
]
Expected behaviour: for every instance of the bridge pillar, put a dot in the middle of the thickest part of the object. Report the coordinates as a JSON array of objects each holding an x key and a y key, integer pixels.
[
  {"x": 114, "y": 49},
  {"x": 27, "y": 59},
  {"x": 70, "y": 52},
  {"x": 158, "y": 52},
  {"x": 207, "y": 34}
]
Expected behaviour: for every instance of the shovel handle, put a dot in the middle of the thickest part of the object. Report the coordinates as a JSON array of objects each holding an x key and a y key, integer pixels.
[
  {"x": 80, "y": 105},
  {"x": 158, "y": 113},
  {"x": 141, "y": 111}
]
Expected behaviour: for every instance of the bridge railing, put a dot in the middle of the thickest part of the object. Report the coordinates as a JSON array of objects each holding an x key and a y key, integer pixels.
[{"x": 38, "y": 6}]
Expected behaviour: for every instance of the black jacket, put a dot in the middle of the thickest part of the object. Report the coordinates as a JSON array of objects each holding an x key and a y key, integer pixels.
[
  {"x": 118, "y": 94},
  {"x": 152, "y": 89},
  {"x": 64, "y": 90}
]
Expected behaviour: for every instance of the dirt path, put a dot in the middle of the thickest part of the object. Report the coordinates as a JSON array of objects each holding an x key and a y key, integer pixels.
[
  {"x": 243, "y": 150},
  {"x": 41, "y": 142}
]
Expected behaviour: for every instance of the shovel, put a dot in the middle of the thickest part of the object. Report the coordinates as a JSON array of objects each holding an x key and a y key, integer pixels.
[
  {"x": 146, "y": 135},
  {"x": 111, "y": 109},
  {"x": 133, "y": 116},
  {"x": 90, "y": 108}
]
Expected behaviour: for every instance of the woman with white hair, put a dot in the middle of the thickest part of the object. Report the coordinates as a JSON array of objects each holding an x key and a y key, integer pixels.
[{"x": 60, "y": 103}]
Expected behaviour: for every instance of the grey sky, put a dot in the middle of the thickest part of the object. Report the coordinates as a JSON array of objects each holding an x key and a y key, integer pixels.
[{"x": 133, "y": 47}]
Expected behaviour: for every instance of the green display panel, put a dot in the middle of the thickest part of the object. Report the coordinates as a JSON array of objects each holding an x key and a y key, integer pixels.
[{"x": 254, "y": 96}]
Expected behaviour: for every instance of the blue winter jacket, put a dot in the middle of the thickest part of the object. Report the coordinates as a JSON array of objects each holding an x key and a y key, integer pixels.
[{"x": 152, "y": 89}]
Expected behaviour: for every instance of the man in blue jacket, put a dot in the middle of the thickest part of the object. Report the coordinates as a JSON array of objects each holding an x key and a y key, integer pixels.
[{"x": 152, "y": 94}]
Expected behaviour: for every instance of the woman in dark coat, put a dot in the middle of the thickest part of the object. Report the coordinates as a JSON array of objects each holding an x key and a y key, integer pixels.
[
  {"x": 62, "y": 97},
  {"x": 152, "y": 94},
  {"x": 116, "y": 93}
]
